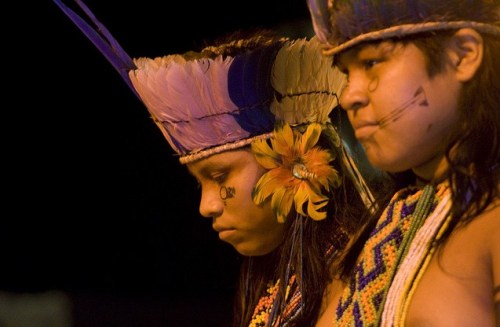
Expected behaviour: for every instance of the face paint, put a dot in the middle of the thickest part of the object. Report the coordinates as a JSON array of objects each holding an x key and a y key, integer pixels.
[
  {"x": 419, "y": 99},
  {"x": 226, "y": 193}
]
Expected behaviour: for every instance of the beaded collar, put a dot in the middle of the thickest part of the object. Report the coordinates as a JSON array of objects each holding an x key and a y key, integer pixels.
[
  {"x": 389, "y": 243},
  {"x": 263, "y": 309}
]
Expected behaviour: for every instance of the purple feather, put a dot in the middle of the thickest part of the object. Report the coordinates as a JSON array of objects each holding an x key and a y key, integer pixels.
[{"x": 102, "y": 39}]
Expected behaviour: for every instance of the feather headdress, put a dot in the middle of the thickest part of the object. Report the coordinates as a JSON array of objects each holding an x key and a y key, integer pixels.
[
  {"x": 230, "y": 95},
  {"x": 306, "y": 85},
  {"x": 225, "y": 96},
  {"x": 205, "y": 106},
  {"x": 341, "y": 24}
]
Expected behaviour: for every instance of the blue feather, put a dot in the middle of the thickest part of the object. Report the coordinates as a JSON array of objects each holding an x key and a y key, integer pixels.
[
  {"x": 249, "y": 86},
  {"x": 102, "y": 39}
]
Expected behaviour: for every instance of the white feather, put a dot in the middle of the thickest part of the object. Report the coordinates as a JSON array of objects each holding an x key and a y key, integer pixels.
[{"x": 307, "y": 82}]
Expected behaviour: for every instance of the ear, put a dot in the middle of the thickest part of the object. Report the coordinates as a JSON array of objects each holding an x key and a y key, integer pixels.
[{"x": 466, "y": 52}]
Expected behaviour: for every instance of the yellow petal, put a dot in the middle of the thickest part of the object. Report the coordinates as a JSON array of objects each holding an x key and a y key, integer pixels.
[
  {"x": 281, "y": 203},
  {"x": 283, "y": 139},
  {"x": 314, "y": 202},
  {"x": 312, "y": 210},
  {"x": 269, "y": 182},
  {"x": 264, "y": 155},
  {"x": 301, "y": 197},
  {"x": 315, "y": 194},
  {"x": 310, "y": 137}
]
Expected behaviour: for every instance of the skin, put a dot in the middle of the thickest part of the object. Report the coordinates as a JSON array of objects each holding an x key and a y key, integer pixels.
[
  {"x": 400, "y": 116},
  {"x": 460, "y": 286},
  {"x": 252, "y": 230}
]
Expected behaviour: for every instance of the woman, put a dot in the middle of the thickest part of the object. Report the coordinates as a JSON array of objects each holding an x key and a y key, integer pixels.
[
  {"x": 423, "y": 97},
  {"x": 250, "y": 117}
]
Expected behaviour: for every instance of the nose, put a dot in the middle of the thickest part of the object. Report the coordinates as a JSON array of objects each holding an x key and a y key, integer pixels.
[
  {"x": 355, "y": 95},
  {"x": 211, "y": 205}
]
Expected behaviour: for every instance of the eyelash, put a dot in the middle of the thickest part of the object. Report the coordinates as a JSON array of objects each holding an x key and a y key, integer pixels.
[
  {"x": 219, "y": 178},
  {"x": 370, "y": 63},
  {"x": 367, "y": 65}
]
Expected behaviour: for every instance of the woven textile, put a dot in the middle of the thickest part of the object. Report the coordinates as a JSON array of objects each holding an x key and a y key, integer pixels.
[{"x": 363, "y": 299}]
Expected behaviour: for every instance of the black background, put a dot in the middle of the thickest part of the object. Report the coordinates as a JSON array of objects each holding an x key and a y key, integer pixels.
[{"x": 95, "y": 203}]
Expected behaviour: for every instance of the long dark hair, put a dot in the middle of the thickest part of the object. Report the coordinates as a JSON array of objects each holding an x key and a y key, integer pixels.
[
  {"x": 473, "y": 149},
  {"x": 309, "y": 249}
]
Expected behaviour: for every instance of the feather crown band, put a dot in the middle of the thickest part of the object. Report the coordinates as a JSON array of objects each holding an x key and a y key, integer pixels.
[
  {"x": 226, "y": 95},
  {"x": 342, "y": 24},
  {"x": 206, "y": 106},
  {"x": 209, "y": 104}
]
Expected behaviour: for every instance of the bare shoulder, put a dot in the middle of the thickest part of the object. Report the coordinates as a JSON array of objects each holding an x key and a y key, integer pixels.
[
  {"x": 477, "y": 241},
  {"x": 484, "y": 231},
  {"x": 486, "y": 227},
  {"x": 483, "y": 235},
  {"x": 491, "y": 221},
  {"x": 457, "y": 286}
]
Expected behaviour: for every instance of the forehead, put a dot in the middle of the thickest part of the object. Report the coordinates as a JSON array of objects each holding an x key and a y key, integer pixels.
[
  {"x": 385, "y": 45},
  {"x": 223, "y": 160}
]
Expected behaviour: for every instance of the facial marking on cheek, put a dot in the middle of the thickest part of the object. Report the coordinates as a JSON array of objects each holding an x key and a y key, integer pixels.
[
  {"x": 226, "y": 193},
  {"x": 419, "y": 99}
]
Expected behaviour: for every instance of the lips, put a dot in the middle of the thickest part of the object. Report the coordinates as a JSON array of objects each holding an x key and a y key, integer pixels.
[
  {"x": 364, "y": 129},
  {"x": 223, "y": 231},
  {"x": 225, "y": 235},
  {"x": 219, "y": 228}
]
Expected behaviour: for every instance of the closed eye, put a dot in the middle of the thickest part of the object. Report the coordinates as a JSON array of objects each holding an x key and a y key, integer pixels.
[
  {"x": 368, "y": 64},
  {"x": 219, "y": 178}
]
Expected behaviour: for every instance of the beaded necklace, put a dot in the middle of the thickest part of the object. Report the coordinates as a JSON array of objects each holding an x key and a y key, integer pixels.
[
  {"x": 263, "y": 308},
  {"x": 363, "y": 299},
  {"x": 415, "y": 263}
]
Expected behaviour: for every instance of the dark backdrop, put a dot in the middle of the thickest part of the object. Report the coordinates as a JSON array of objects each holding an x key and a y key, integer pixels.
[{"x": 95, "y": 204}]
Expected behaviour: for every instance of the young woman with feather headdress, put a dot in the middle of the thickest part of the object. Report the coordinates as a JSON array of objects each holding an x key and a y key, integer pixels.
[{"x": 251, "y": 118}]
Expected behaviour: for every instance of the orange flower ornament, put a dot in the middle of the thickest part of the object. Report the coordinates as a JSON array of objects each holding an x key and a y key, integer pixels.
[{"x": 299, "y": 172}]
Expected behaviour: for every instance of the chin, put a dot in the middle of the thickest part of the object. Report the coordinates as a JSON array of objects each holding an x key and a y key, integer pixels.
[
  {"x": 390, "y": 167},
  {"x": 250, "y": 251}
]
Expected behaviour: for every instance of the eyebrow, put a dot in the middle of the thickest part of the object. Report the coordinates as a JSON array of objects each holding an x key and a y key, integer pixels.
[{"x": 208, "y": 167}]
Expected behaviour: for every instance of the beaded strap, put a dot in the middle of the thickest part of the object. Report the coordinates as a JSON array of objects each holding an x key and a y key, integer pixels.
[
  {"x": 263, "y": 309},
  {"x": 363, "y": 300},
  {"x": 415, "y": 263}
]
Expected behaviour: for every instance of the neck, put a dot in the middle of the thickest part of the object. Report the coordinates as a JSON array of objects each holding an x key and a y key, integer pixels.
[{"x": 433, "y": 171}]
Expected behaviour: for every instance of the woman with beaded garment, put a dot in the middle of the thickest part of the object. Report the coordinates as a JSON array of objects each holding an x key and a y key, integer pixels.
[
  {"x": 423, "y": 95},
  {"x": 250, "y": 119}
]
